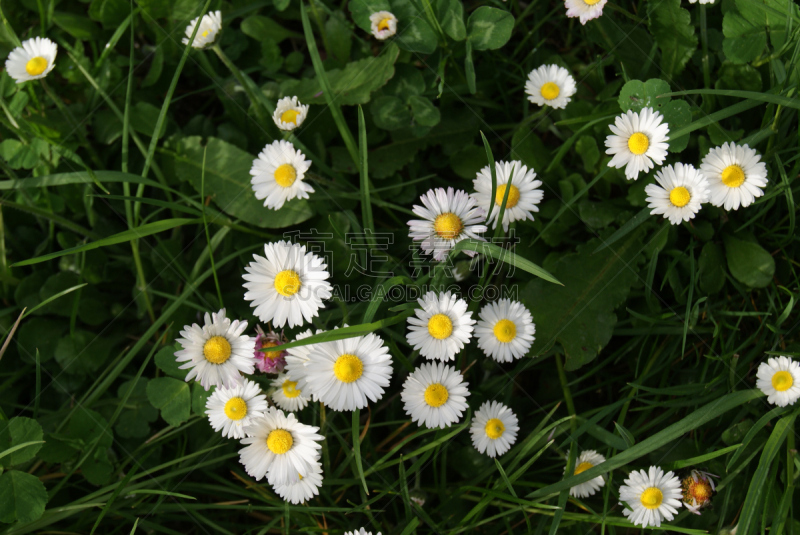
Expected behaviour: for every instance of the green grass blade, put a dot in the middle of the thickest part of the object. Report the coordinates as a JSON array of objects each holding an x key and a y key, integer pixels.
[
  {"x": 366, "y": 201},
  {"x": 348, "y": 332},
  {"x": 770, "y": 98},
  {"x": 357, "y": 448},
  {"x": 625, "y": 229},
  {"x": 504, "y": 255}
]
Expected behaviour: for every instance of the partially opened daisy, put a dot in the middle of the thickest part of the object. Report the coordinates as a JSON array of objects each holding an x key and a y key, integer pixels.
[
  {"x": 435, "y": 395},
  {"x": 441, "y": 326},
  {"x": 287, "y": 396},
  {"x": 587, "y": 459},
  {"x": 550, "y": 85},
  {"x": 279, "y": 445},
  {"x": 585, "y": 9},
  {"x": 679, "y": 194},
  {"x": 296, "y": 360},
  {"x": 779, "y": 379},
  {"x": 278, "y": 174},
  {"x": 286, "y": 285},
  {"x": 698, "y": 489},
  {"x": 268, "y": 361},
  {"x": 210, "y": 25},
  {"x": 638, "y": 141},
  {"x": 494, "y": 429},
  {"x": 448, "y": 216},
  {"x": 383, "y": 25},
  {"x": 651, "y": 496},
  {"x": 505, "y": 330},
  {"x": 233, "y": 409},
  {"x": 344, "y": 374},
  {"x": 735, "y": 175},
  {"x": 33, "y": 60},
  {"x": 303, "y": 490},
  {"x": 218, "y": 353},
  {"x": 289, "y": 113},
  {"x": 523, "y": 198}
]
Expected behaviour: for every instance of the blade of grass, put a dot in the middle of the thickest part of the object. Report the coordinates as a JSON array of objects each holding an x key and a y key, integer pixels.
[
  {"x": 357, "y": 448},
  {"x": 504, "y": 255},
  {"x": 366, "y": 204},
  {"x": 205, "y": 228},
  {"x": 625, "y": 229}
]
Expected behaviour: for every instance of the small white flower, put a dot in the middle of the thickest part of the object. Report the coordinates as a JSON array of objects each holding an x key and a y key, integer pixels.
[
  {"x": 449, "y": 216},
  {"x": 435, "y": 395},
  {"x": 303, "y": 490},
  {"x": 442, "y": 326},
  {"x": 638, "y": 140},
  {"x": 735, "y": 175},
  {"x": 218, "y": 352},
  {"x": 779, "y": 379},
  {"x": 384, "y": 25},
  {"x": 233, "y": 409},
  {"x": 360, "y": 531},
  {"x": 587, "y": 459},
  {"x": 296, "y": 360},
  {"x": 680, "y": 193},
  {"x": 523, "y": 198},
  {"x": 278, "y": 174},
  {"x": 289, "y": 113},
  {"x": 287, "y": 396},
  {"x": 33, "y": 60},
  {"x": 494, "y": 429},
  {"x": 505, "y": 330},
  {"x": 207, "y": 33},
  {"x": 287, "y": 284},
  {"x": 701, "y": 1},
  {"x": 585, "y": 9},
  {"x": 650, "y": 496},
  {"x": 550, "y": 85}
]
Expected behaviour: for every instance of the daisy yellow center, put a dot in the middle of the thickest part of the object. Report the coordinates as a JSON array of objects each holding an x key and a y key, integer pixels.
[
  {"x": 285, "y": 175},
  {"x": 550, "y": 91},
  {"x": 290, "y": 116},
  {"x": 700, "y": 490},
  {"x": 440, "y": 326},
  {"x": 217, "y": 350},
  {"x": 638, "y": 143},
  {"x": 513, "y": 196},
  {"x": 651, "y": 498},
  {"x": 348, "y": 368},
  {"x": 582, "y": 468},
  {"x": 384, "y": 24},
  {"x": 448, "y": 225},
  {"x": 205, "y": 33},
  {"x": 236, "y": 408},
  {"x": 680, "y": 196},
  {"x": 494, "y": 428},
  {"x": 436, "y": 395},
  {"x": 290, "y": 389},
  {"x": 782, "y": 381},
  {"x": 505, "y": 330},
  {"x": 590, "y": 2},
  {"x": 279, "y": 441},
  {"x": 287, "y": 283},
  {"x": 36, "y": 66},
  {"x": 733, "y": 176},
  {"x": 272, "y": 355}
]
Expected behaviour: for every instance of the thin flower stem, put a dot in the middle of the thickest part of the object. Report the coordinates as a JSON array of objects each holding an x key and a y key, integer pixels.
[
  {"x": 205, "y": 227},
  {"x": 245, "y": 82}
]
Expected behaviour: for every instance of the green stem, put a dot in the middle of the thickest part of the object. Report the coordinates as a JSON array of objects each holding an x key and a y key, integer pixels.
[
  {"x": 562, "y": 377},
  {"x": 246, "y": 83},
  {"x": 205, "y": 227},
  {"x": 704, "y": 42}
]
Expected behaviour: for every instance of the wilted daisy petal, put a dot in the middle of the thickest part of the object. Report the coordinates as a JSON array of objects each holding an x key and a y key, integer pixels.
[
  {"x": 435, "y": 395},
  {"x": 679, "y": 194},
  {"x": 587, "y": 459},
  {"x": 736, "y": 175},
  {"x": 494, "y": 429},
  {"x": 651, "y": 497},
  {"x": 550, "y": 85},
  {"x": 524, "y": 197},
  {"x": 33, "y": 60},
  {"x": 277, "y": 175},
  {"x": 638, "y": 141},
  {"x": 779, "y": 379},
  {"x": 505, "y": 330},
  {"x": 210, "y": 26}
]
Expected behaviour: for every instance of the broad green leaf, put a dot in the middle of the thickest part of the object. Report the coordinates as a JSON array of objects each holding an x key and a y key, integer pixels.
[
  {"x": 586, "y": 147},
  {"x": 390, "y": 113},
  {"x": 110, "y": 13},
  {"x": 416, "y": 35},
  {"x": 22, "y": 497},
  {"x": 747, "y": 25},
  {"x": 260, "y": 27},
  {"x": 425, "y": 113},
  {"x": 711, "y": 268},
  {"x": 451, "y": 18},
  {"x": 677, "y": 114},
  {"x": 749, "y": 263},
  {"x": 16, "y": 431},
  {"x": 636, "y": 95},
  {"x": 489, "y": 28},
  {"x": 672, "y": 28},
  {"x": 199, "y": 398},
  {"x": 172, "y": 397},
  {"x": 77, "y": 26},
  {"x": 340, "y": 35},
  {"x": 165, "y": 360},
  {"x": 17, "y": 155},
  {"x": 138, "y": 413}
]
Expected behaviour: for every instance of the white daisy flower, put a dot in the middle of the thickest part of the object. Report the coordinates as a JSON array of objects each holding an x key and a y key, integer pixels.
[
  {"x": 679, "y": 194},
  {"x": 494, "y": 429},
  {"x": 735, "y": 175},
  {"x": 587, "y": 459},
  {"x": 33, "y": 60},
  {"x": 287, "y": 396},
  {"x": 550, "y": 85},
  {"x": 278, "y": 174},
  {"x": 303, "y": 490},
  {"x": 384, "y": 25},
  {"x": 638, "y": 140},
  {"x": 585, "y": 9},
  {"x": 523, "y": 198},
  {"x": 289, "y": 113},
  {"x": 449, "y": 216},
  {"x": 442, "y": 326},
  {"x": 218, "y": 352},
  {"x": 296, "y": 360},
  {"x": 650, "y": 496},
  {"x": 210, "y": 26},
  {"x": 279, "y": 445},
  {"x": 779, "y": 379},
  {"x": 233, "y": 409},
  {"x": 343, "y": 374},
  {"x": 505, "y": 330},
  {"x": 435, "y": 395},
  {"x": 287, "y": 284},
  {"x": 701, "y": 1}
]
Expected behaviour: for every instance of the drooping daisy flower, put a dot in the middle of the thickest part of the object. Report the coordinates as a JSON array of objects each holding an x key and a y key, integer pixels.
[
  {"x": 210, "y": 26},
  {"x": 343, "y": 374},
  {"x": 505, "y": 330},
  {"x": 698, "y": 488},
  {"x": 296, "y": 360},
  {"x": 585, "y": 9},
  {"x": 550, "y": 85},
  {"x": 435, "y": 395},
  {"x": 279, "y": 445},
  {"x": 233, "y": 409},
  {"x": 679, "y": 194},
  {"x": 289, "y": 113},
  {"x": 303, "y": 490},
  {"x": 278, "y": 174},
  {"x": 779, "y": 379},
  {"x": 523, "y": 198},
  {"x": 287, "y": 284},
  {"x": 587, "y": 459},
  {"x": 735, "y": 175},
  {"x": 449, "y": 216},
  {"x": 216, "y": 353},
  {"x": 33, "y": 60},
  {"x": 494, "y": 429},
  {"x": 384, "y": 25},
  {"x": 651, "y": 496},
  {"x": 269, "y": 361},
  {"x": 287, "y": 396},
  {"x": 638, "y": 140},
  {"x": 442, "y": 326}
]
